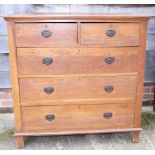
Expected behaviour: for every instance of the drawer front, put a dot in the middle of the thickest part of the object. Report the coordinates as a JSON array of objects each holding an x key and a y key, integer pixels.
[
  {"x": 110, "y": 34},
  {"x": 56, "y": 61},
  {"x": 59, "y": 88},
  {"x": 46, "y": 34},
  {"x": 77, "y": 117}
]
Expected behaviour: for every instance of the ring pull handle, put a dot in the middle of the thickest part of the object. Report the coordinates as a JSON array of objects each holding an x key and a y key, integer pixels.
[
  {"x": 47, "y": 61},
  {"x": 111, "y": 33},
  {"x": 48, "y": 90},
  {"x": 50, "y": 117},
  {"x": 109, "y": 60},
  {"x": 107, "y": 115},
  {"x": 108, "y": 88}
]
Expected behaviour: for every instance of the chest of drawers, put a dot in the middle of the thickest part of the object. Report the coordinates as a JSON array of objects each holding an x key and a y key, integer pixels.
[{"x": 76, "y": 73}]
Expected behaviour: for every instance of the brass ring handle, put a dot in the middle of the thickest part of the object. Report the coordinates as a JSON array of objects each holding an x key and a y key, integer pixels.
[
  {"x": 47, "y": 61},
  {"x": 108, "y": 88},
  {"x": 109, "y": 60},
  {"x": 48, "y": 90},
  {"x": 50, "y": 117},
  {"x": 107, "y": 115},
  {"x": 46, "y": 33},
  {"x": 111, "y": 33}
]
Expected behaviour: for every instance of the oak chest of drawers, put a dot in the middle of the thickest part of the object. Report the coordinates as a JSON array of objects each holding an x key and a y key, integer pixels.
[{"x": 76, "y": 74}]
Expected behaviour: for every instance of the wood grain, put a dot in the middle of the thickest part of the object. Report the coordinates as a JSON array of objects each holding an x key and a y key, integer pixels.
[
  {"x": 20, "y": 141},
  {"x": 15, "y": 84},
  {"x": 77, "y": 117},
  {"x": 84, "y": 101},
  {"x": 78, "y": 46},
  {"x": 76, "y": 60},
  {"x": 14, "y": 75},
  {"x": 140, "y": 81},
  {"x": 29, "y": 35},
  {"x": 77, "y": 88},
  {"x": 135, "y": 136},
  {"x": 77, "y": 16},
  {"x": 127, "y": 34},
  {"x": 49, "y": 133},
  {"x": 79, "y": 75}
]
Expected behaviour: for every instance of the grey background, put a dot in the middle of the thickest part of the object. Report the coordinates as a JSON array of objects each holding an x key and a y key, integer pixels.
[{"x": 21, "y": 8}]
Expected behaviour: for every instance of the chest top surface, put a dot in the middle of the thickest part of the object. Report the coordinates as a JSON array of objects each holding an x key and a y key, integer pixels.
[{"x": 79, "y": 16}]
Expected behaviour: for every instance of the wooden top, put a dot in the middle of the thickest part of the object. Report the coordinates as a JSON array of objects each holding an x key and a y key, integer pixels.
[{"x": 64, "y": 16}]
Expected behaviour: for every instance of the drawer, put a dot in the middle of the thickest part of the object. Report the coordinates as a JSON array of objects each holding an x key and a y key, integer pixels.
[
  {"x": 45, "y": 34},
  {"x": 110, "y": 34},
  {"x": 63, "y": 61},
  {"x": 77, "y": 117},
  {"x": 74, "y": 88}
]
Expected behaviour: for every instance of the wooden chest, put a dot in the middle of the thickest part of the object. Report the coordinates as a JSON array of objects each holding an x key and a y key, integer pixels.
[{"x": 76, "y": 73}]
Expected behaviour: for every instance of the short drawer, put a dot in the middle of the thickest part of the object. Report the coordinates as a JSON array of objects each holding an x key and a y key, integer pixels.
[
  {"x": 63, "y": 61},
  {"x": 110, "y": 34},
  {"x": 45, "y": 34},
  {"x": 75, "y": 88},
  {"x": 77, "y": 117}
]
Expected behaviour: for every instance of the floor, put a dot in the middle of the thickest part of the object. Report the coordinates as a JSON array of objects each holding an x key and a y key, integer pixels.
[{"x": 82, "y": 142}]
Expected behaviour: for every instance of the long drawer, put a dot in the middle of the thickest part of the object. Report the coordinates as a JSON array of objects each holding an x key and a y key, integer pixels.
[
  {"x": 77, "y": 117},
  {"x": 110, "y": 34},
  {"x": 56, "y": 61},
  {"x": 58, "y": 88},
  {"x": 46, "y": 34}
]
